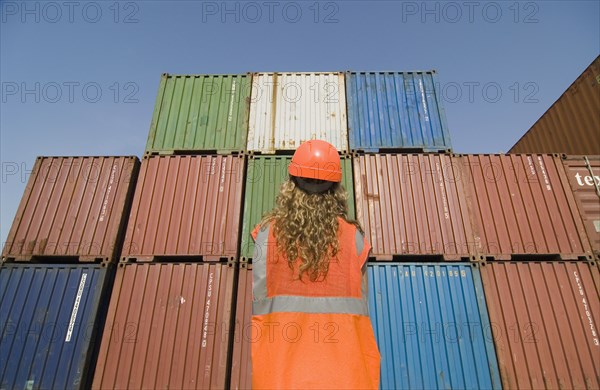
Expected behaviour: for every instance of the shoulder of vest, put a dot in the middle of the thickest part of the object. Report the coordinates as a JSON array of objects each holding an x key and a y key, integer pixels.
[
  {"x": 359, "y": 241},
  {"x": 352, "y": 231}
]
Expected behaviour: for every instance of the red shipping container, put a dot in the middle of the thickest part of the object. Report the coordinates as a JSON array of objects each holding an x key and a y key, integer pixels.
[
  {"x": 545, "y": 318},
  {"x": 584, "y": 176},
  {"x": 186, "y": 206},
  {"x": 73, "y": 208},
  {"x": 522, "y": 204},
  {"x": 167, "y": 326},
  {"x": 412, "y": 204}
]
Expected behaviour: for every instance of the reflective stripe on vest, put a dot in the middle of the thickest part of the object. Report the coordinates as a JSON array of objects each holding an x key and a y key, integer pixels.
[{"x": 294, "y": 303}]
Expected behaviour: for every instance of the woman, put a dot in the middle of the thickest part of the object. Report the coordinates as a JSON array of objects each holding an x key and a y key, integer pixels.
[{"x": 310, "y": 322}]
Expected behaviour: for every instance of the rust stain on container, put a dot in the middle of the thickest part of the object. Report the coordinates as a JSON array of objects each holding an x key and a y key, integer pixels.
[
  {"x": 167, "y": 327},
  {"x": 73, "y": 207},
  {"x": 571, "y": 124},
  {"x": 521, "y": 204},
  {"x": 584, "y": 176},
  {"x": 241, "y": 362},
  {"x": 412, "y": 204},
  {"x": 545, "y": 318},
  {"x": 186, "y": 206}
]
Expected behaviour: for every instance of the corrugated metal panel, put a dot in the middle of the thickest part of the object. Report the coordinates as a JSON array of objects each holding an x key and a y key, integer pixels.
[
  {"x": 571, "y": 124},
  {"x": 49, "y": 317},
  {"x": 432, "y": 327},
  {"x": 73, "y": 206},
  {"x": 287, "y": 109},
  {"x": 546, "y": 317},
  {"x": 412, "y": 204},
  {"x": 200, "y": 112},
  {"x": 186, "y": 206},
  {"x": 393, "y": 110},
  {"x": 522, "y": 204},
  {"x": 167, "y": 327},
  {"x": 584, "y": 176},
  {"x": 263, "y": 179},
  {"x": 241, "y": 362}
]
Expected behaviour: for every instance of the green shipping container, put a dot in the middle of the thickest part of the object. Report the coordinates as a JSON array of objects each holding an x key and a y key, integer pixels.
[
  {"x": 200, "y": 113},
  {"x": 263, "y": 179}
]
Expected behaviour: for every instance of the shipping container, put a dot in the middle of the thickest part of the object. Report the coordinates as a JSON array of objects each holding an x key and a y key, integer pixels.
[
  {"x": 73, "y": 209},
  {"x": 241, "y": 361},
  {"x": 432, "y": 327},
  {"x": 264, "y": 176},
  {"x": 521, "y": 205},
  {"x": 167, "y": 326},
  {"x": 287, "y": 109},
  {"x": 412, "y": 204},
  {"x": 545, "y": 318},
  {"x": 200, "y": 113},
  {"x": 571, "y": 124},
  {"x": 50, "y": 316},
  {"x": 584, "y": 176},
  {"x": 430, "y": 322},
  {"x": 186, "y": 206},
  {"x": 388, "y": 111}
]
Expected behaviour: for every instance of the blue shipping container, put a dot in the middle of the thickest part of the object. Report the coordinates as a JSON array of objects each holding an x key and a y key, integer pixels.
[
  {"x": 396, "y": 110},
  {"x": 49, "y": 318},
  {"x": 432, "y": 327}
]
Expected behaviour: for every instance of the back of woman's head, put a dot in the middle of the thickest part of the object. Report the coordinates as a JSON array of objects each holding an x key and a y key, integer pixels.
[{"x": 305, "y": 224}]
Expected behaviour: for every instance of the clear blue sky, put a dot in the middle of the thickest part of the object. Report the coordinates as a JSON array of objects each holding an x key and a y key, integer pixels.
[{"x": 92, "y": 78}]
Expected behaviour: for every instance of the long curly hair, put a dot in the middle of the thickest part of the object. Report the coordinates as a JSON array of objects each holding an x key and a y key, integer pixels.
[{"x": 306, "y": 225}]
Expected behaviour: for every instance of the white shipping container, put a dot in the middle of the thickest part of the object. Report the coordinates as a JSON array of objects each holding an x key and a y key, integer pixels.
[{"x": 287, "y": 109}]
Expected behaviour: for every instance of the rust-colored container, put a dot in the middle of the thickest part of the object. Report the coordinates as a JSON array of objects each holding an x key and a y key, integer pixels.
[
  {"x": 167, "y": 327},
  {"x": 186, "y": 206},
  {"x": 571, "y": 124},
  {"x": 73, "y": 209},
  {"x": 522, "y": 204},
  {"x": 545, "y": 318},
  {"x": 584, "y": 176},
  {"x": 412, "y": 204},
  {"x": 241, "y": 361}
]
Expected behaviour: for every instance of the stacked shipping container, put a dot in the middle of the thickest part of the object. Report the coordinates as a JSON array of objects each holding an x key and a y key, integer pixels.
[
  {"x": 432, "y": 326},
  {"x": 194, "y": 113},
  {"x": 168, "y": 326},
  {"x": 180, "y": 311},
  {"x": 50, "y": 317},
  {"x": 522, "y": 204},
  {"x": 289, "y": 108},
  {"x": 72, "y": 206},
  {"x": 396, "y": 111},
  {"x": 412, "y": 204},
  {"x": 186, "y": 206},
  {"x": 545, "y": 317}
]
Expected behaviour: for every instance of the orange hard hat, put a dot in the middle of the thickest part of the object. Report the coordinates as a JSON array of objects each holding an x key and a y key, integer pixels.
[{"x": 316, "y": 159}]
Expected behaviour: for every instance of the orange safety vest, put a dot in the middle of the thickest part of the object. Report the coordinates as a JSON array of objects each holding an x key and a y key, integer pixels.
[{"x": 312, "y": 335}]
